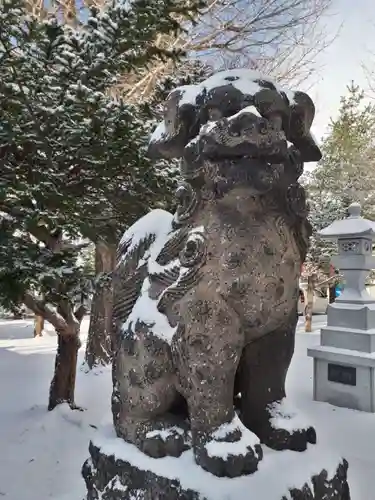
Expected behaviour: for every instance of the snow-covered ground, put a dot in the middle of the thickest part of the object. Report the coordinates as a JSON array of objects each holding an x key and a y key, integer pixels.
[{"x": 41, "y": 453}]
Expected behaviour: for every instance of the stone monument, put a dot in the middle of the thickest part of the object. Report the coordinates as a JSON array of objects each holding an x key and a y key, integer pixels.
[
  {"x": 205, "y": 310},
  {"x": 344, "y": 363}
]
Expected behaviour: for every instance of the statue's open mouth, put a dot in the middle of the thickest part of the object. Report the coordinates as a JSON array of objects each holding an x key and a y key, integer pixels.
[
  {"x": 244, "y": 149},
  {"x": 243, "y": 138}
]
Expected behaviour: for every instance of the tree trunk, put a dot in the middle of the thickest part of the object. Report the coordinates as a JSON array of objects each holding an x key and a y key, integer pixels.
[
  {"x": 63, "y": 382},
  {"x": 67, "y": 325},
  {"x": 309, "y": 303},
  {"x": 38, "y": 326},
  {"x": 99, "y": 345}
]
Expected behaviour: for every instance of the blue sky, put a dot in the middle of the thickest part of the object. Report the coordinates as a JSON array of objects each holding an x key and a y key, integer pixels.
[{"x": 342, "y": 60}]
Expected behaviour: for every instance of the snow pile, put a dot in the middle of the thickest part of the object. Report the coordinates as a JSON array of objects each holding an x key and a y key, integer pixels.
[
  {"x": 145, "y": 310},
  {"x": 157, "y": 224},
  {"x": 164, "y": 434},
  {"x": 245, "y": 80},
  {"x": 218, "y": 447},
  {"x": 207, "y": 128},
  {"x": 42, "y": 452},
  {"x": 277, "y": 472},
  {"x": 285, "y": 416}
]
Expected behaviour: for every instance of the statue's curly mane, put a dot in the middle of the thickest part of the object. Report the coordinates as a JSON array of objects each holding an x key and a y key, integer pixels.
[{"x": 231, "y": 132}]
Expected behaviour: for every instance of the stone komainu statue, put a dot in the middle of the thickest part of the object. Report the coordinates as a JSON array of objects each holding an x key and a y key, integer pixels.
[{"x": 205, "y": 305}]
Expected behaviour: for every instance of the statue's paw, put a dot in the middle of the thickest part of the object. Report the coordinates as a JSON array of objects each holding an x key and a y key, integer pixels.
[
  {"x": 231, "y": 450},
  {"x": 288, "y": 430},
  {"x": 170, "y": 441}
]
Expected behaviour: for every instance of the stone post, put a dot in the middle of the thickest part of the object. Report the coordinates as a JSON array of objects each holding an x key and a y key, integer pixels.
[{"x": 344, "y": 363}]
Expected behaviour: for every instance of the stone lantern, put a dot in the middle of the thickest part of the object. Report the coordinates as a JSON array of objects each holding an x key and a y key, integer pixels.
[{"x": 344, "y": 362}]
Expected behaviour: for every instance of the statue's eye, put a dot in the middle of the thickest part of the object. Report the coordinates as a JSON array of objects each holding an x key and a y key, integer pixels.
[
  {"x": 235, "y": 130},
  {"x": 214, "y": 114},
  {"x": 262, "y": 127},
  {"x": 237, "y": 133}
]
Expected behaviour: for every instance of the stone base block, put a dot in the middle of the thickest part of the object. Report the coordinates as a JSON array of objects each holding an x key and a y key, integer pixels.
[
  {"x": 344, "y": 377},
  {"x": 119, "y": 471}
]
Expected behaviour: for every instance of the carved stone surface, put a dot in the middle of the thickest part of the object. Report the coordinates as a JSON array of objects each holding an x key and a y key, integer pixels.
[
  {"x": 111, "y": 478},
  {"x": 205, "y": 300}
]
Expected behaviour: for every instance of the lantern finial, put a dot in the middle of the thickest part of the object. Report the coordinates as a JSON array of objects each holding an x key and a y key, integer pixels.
[{"x": 354, "y": 210}]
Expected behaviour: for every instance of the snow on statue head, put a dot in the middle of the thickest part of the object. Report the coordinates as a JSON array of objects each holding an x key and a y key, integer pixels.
[
  {"x": 205, "y": 305},
  {"x": 236, "y": 115}
]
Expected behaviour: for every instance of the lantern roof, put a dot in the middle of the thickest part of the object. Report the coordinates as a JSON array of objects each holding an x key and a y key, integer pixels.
[{"x": 354, "y": 226}]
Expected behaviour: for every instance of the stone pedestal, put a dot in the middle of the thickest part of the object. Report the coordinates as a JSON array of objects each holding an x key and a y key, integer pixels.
[
  {"x": 344, "y": 363},
  {"x": 118, "y": 470}
]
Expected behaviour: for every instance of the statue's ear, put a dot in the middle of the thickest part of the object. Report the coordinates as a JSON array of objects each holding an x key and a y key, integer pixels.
[
  {"x": 270, "y": 102},
  {"x": 163, "y": 146},
  {"x": 302, "y": 110},
  {"x": 180, "y": 125},
  {"x": 308, "y": 148},
  {"x": 298, "y": 132}
]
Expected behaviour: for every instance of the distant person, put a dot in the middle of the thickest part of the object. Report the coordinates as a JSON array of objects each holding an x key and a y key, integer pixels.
[{"x": 339, "y": 290}]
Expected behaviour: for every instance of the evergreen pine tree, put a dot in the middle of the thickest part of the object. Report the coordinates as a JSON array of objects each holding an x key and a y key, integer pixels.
[
  {"x": 98, "y": 347},
  {"x": 346, "y": 172},
  {"x": 65, "y": 160}
]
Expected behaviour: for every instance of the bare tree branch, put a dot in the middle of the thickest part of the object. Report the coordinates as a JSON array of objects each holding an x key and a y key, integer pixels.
[
  {"x": 68, "y": 9},
  {"x": 331, "y": 279},
  {"x": 281, "y": 38},
  {"x": 276, "y": 37}
]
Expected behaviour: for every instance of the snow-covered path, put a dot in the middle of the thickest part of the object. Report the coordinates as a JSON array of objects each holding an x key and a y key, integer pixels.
[
  {"x": 41, "y": 453},
  {"x": 350, "y": 432}
]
